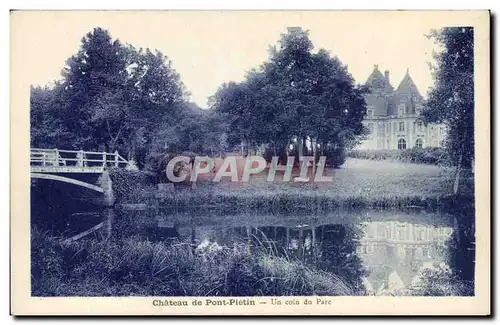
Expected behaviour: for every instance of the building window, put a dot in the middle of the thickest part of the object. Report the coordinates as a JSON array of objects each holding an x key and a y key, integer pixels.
[
  {"x": 401, "y": 126},
  {"x": 370, "y": 127},
  {"x": 369, "y": 112},
  {"x": 418, "y": 143},
  {"x": 419, "y": 127},
  {"x": 401, "y": 144}
]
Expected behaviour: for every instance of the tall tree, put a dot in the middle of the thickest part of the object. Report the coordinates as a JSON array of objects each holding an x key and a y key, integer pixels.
[
  {"x": 93, "y": 99},
  {"x": 232, "y": 101},
  {"x": 47, "y": 126},
  {"x": 296, "y": 96},
  {"x": 156, "y": 96},
  {"x": 111, "y": 97},
  {"x": 451, "y": 101}
]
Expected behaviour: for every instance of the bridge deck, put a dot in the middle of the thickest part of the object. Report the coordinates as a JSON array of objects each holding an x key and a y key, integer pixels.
[
  {"x": 72, "y": 161},
  {"x": 66, "y": 169}
]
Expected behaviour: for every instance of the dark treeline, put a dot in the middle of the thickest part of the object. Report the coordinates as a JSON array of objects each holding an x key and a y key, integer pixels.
[{"x": 113, "y": 96}]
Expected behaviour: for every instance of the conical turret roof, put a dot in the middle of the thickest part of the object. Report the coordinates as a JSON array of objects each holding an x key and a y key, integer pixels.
[
  {"x": 377, "y": 81},
  {"x": 407, "y": 86},
  {"x": 407, "y": 93}
]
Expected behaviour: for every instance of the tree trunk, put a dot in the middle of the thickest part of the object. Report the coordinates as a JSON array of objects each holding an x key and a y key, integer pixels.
[
  {"x": 457, "y": 175},
  {"x": 459, "y": 169},
  {"x": 300, "y": 146},
  {"x": 131, "y": 153},
  {"x": 304, "y": 145},
  {"x": 313, "y": 172}
]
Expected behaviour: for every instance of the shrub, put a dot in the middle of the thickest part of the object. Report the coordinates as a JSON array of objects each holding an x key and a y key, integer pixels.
[
  {"x": 335, "y": 157},
  {"x": 431, "y": 155},
  {"x": 440, "y": 281},
  {"x": 133, "y": 186},
  {"x": 156, "y": 164}
]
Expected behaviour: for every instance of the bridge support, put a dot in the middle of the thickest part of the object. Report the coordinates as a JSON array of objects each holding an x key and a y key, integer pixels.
[
  {"x": 110, "y": 216},
  {"x": 107, "y": 186}
]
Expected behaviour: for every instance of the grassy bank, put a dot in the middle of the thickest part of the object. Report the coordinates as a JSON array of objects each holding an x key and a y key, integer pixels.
[
  {"x": 143, "y": 268},
  {"x": 358, "y": 184}
]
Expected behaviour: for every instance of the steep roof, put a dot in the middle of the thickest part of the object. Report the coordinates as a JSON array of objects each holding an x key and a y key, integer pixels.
[
  {"x": 380, "y": 92},
  {"x": 408, "y": 86},
  {"x": 377, "y": 82},
  {"x": 407, "y": 93},
  {"x": 378, "y": 103},
  {"x": 385, "y": 100}
]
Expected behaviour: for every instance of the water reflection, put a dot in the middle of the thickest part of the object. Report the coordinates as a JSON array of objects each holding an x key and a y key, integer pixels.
[
  {"x": 378, "y": 252},
  {"x": 381, "y": 257},
  {"x": 395, "y": 254}
]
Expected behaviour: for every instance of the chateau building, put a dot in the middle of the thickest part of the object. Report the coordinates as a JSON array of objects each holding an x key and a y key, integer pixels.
[{"x": 391, "y": 115}]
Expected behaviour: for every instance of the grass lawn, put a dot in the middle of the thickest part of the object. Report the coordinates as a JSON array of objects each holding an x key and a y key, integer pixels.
[{"x": 357, "y": 182}]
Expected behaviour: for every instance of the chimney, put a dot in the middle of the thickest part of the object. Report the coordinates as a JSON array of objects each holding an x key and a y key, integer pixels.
[{"x": 386, "y": 74}]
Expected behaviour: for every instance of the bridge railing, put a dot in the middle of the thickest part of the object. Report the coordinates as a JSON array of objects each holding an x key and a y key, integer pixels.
[{"x": 75, "y": 158}]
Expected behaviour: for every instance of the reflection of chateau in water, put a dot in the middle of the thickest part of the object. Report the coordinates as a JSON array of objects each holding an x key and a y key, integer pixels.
[{"x": 395, "y": 252}]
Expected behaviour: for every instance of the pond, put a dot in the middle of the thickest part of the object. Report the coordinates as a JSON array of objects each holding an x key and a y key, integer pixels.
[{"x": 382, "y": 252}]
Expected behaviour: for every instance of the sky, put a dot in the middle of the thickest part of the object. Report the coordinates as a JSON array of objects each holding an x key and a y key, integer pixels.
[{"x": 210, "y": 48}]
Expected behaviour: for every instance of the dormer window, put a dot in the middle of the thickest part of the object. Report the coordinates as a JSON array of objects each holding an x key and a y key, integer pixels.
[
  {"x": 401, "y": 110},
  {"x": 369, "y": 112}
]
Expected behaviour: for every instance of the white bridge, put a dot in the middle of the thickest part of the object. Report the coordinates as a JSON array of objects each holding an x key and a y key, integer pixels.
[{"x": 50, "y": 163}]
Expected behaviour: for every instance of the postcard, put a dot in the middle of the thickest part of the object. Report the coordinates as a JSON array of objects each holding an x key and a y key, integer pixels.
[{"x": 250, "y": 163}]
